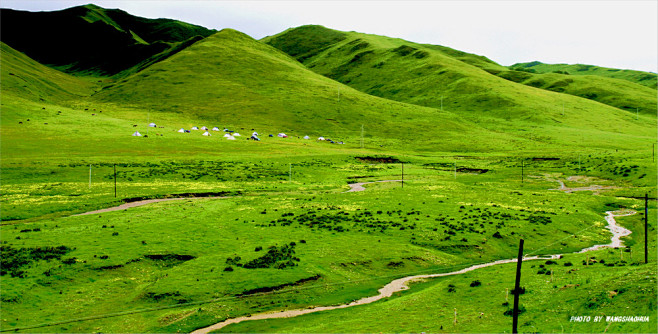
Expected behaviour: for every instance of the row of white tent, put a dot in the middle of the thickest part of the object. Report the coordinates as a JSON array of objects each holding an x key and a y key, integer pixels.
[{"x": 229, "y": 136}]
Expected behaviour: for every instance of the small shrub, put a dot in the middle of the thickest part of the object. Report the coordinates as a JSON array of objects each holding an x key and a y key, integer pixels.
[
  {"x": 475, "y": 283},
  {"x": 229, "y": 268}
]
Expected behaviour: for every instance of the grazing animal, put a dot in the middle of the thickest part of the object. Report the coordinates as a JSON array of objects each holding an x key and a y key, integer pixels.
[{"x": 134, "y": 125}]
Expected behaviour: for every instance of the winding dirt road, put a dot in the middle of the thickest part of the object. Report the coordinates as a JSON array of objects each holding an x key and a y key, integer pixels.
[
  {"x": 359, "y": 186},
  {"x": 596, "y": 189},
  {"x": 401, "y": 284},
  {"x": 353, "y": 188},
  {"x": 139, "y": 203}
]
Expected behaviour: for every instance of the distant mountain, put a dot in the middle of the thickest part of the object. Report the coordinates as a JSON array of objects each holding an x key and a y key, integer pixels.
[
  {"x": 647, "y": 79},
  {"x": 438, "y": 76},
  {"x": 90, "y": 40}
]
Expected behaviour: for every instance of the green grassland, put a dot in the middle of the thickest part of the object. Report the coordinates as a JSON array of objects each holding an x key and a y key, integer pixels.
[
  {"x": 643, "y": 78},
  {"x": 574, "y": 289},
  {"x": 479, "y": 175},
  {"x": 434, "y": 224}
]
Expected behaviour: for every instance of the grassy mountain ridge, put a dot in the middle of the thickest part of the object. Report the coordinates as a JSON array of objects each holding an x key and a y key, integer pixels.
[
  {"x": 423, "y": 74},
  {"x": 91, "y": 40},
  {"x": 647, "y": 79}
]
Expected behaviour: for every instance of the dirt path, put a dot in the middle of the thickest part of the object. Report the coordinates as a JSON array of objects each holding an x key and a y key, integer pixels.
[
  {"x": 359, "y": 186},
  {"x": 594, "y": 188},
  {"x": 140, "y": 203},
  {"x": 401, "y": 283},
  {"x": 353, "y": 188}
]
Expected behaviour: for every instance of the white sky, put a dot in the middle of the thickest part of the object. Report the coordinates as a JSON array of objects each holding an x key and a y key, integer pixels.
[{"x": 618, "y": 34}]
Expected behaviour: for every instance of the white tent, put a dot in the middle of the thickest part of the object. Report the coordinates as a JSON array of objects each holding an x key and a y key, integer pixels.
[
  {"x": 195, "y": 128},
  {"x": 307, "y": 137},
  {"x": 181, "y": 130},
  {"x": 226, "y": 135},
  {"x": 204, "y": 128},
  {"x": 282, "y": 135},
  {"x": 137, "y": 134},
  {"x": 206, "y": 133},
  {"x": 152, "y": 125},
  {"x": 230, "y": 138},
  {"x": 255, "y": 134},
  {"x": 321, "y": 138},
  {"x": 215, "y": 129},
  {"x": 236, "y": 135}
]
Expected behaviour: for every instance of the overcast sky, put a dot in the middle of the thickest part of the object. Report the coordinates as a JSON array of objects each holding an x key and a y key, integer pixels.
[{"x": 619, "y": 34}]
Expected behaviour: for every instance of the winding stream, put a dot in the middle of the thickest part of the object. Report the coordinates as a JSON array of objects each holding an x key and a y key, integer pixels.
[{"x": 401, "y": 283}]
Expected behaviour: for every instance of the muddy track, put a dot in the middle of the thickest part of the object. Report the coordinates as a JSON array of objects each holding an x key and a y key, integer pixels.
[
  {"x": 140, "y": 203},
  {"x": 353, "y": 188},
  {"x": 401, "y": 284},
  {"x": 359, "y": 186}
]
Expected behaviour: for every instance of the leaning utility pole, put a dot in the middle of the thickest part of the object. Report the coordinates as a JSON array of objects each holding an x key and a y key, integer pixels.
[
  {"x": 646, "y": 231},
  {"x": 115, "y": 180},
  {"x": 517, "y": 292}
]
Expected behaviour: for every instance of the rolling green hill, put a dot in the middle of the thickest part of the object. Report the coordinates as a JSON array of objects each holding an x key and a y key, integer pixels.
[
  {"x": 639, "y": 77},
  {"x": 25, "y": 78},
  {"x": 619, "y": 93},
  {"x": 222, "y": 79},
  {"x": 438, "y": 76},
  {"x": 91, "y": 40}
]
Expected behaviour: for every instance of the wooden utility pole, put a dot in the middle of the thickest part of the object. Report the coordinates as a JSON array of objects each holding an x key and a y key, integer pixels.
[
  {"x": 361, "y": 135},
  {"x": 115, "y": 180},
  {"x": 517, "y": 292},
  {"x": 646, "y": 229}
]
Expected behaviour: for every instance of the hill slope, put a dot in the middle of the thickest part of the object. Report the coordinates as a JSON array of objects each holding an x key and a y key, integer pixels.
[
  {"x": 25, "y": 78},
  {"x": 438, "y": 76},
  {"x": 92, "y": 40},
  {"x": 642, "y": 78},
  {"x": 618, "y": 93},
  {"x": 233, "y": 79}
]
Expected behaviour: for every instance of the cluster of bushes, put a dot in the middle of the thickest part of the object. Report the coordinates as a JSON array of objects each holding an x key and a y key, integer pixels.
[
  {"x": 195, "y": 170},
  {"x": 335, "y": 221},
  {"x": 624, "y": 170},
  {"x": 537, "y": 219},
  {"x": 276, "y": 257},
  {"x": 13, "y": 260}
]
